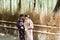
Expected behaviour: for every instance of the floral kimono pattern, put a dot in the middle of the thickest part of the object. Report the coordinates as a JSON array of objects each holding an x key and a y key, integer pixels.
[{"x": 28, "y": 28}]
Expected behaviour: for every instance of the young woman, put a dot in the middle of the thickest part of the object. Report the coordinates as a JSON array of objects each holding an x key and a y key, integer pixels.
[
  {"x": 20, "y": 25},
  {"x": 28, "y": 28}
]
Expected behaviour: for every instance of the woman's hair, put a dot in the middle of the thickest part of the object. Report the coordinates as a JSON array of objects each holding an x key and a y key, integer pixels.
[
  {"x": 26, "y": 15},
  {"x": 21, "y": 15}
]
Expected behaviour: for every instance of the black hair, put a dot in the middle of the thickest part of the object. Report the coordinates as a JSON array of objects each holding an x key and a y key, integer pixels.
[
  {"x": 21, "y": 15},
  {"x": 26, "y": 15}
]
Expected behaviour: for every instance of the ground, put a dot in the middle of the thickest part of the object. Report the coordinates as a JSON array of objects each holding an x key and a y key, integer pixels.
[{"x": 7, "y": 37}]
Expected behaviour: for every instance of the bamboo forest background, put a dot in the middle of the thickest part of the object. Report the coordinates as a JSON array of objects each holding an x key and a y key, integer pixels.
[{"x": 40, "y": 11}]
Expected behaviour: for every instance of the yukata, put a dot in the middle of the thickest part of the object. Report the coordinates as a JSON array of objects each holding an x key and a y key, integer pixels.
[
  {"x": 21, "y": 28},
  {"x": 28, "y": 28}
]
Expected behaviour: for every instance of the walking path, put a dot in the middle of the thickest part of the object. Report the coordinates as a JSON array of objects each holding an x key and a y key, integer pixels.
[{"x": 7, "y": 37}]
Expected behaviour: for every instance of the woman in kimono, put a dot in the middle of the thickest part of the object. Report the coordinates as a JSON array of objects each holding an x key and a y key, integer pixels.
[
  {"x": 28, "y": 28},
  {"x": 20, "y": 25}
]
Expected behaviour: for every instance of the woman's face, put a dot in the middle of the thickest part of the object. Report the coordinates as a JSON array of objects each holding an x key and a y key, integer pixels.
[
  {"x": 22, "y": 17},
  {"x": 26, "y": 17}
]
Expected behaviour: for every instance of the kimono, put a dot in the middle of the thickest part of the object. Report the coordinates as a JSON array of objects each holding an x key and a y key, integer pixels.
[
  {"x": 28, "y": 28},
  {"x": 21, "y": 28}
]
